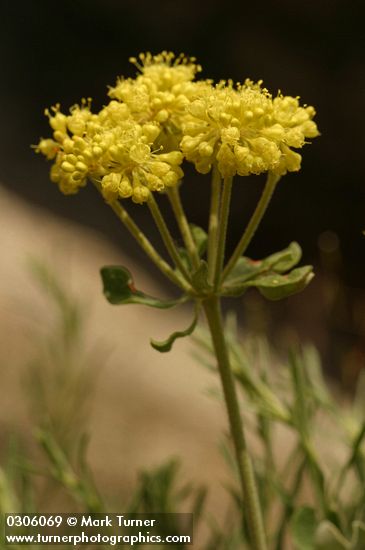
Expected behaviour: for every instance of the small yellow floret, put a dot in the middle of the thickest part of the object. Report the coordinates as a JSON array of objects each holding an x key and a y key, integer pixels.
[
  {"x": 110, "y": 185},
  {"x": 48, "y": 148}
]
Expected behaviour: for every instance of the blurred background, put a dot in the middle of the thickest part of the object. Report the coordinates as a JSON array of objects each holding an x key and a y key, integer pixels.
[
  {"x": 60, "y": 52},
  {"x": 69, "y": 361}
]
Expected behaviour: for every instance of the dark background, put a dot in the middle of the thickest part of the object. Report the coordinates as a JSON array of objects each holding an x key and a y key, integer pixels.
[{"x": 62, "y": 51}]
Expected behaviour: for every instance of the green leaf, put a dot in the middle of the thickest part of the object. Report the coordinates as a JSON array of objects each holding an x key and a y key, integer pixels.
[
  {"x": 285, "y": 259},
  {"x": 167, "y": 344},
  {"x": 199, "y": 278},
  {"x": 303, "y": 527},
  {"x": 358, "y": 535},
  {"x": 268, "y": 275},
  {"x": 184, "y": 256},
  {"x": 279, "y": 262},
  {"x": 328, "y": 537},
  {"x": 118, "y": 288},
  {"x": 274, "y": 286},
  {"x": 199, "y": 504},
  {"x": 244, "y": 270},
  {"x": 200, "y": 238}
]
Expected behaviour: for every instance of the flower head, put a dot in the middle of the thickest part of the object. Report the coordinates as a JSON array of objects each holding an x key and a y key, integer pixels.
[
  {"x": 160, "y": 92},
  {"x": 245, "y": 131},
  {"x": 110, "y": 147}
]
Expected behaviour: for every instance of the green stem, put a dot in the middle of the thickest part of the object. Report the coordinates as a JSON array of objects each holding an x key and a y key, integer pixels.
[
  {"x": 166, "y": 236},
  {"x": 249, "y": 491},
  {"x": 174, "y": 197},
  {"x": 144, "y": 243},
  {"x": 289, "y": 504},
  {"x": 272, "y": 180},
  {"x": 265, "y": 430},
  {"x": 355, "y": 454},
  {"x": 316, "y": 475},
  {"x": 223, "y": 223},
  {"x": 213, "y": 222},
  {"x": 302, "y": 418}
]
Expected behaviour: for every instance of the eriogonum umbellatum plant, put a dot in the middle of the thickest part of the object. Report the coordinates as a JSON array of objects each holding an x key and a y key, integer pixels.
[{"x": 135, "y": 148}]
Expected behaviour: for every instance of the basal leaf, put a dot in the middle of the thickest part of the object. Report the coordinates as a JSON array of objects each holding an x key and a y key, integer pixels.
[{"x": 118, "y": 288}]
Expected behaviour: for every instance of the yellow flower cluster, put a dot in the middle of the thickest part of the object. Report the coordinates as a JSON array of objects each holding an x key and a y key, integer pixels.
[
  {"x": 109, "y": 147},
  {"x": 245, "y": 131},
  {"x": 136, "y": 144},
  {"x": 161, "y": 93}
]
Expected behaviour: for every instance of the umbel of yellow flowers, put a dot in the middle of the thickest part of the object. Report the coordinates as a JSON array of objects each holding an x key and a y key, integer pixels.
[{"x": 136, "y": 144}]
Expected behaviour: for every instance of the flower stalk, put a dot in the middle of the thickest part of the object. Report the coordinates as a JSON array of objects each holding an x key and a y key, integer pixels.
[
  {"x": 175, "y": 199},
  {"x": 213, "y": 223},
  {"x": 166, "y": 237},
  {"x": 145, "y": 243},
  {"x": 251, "y": 501},
  {"x": 222, "y": 233},
  {"x": 271, "y": 182}
]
